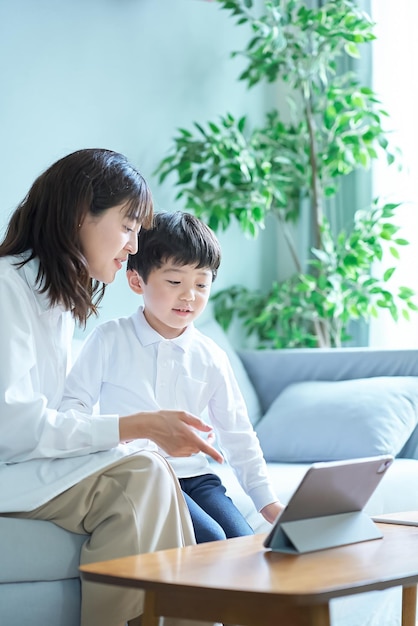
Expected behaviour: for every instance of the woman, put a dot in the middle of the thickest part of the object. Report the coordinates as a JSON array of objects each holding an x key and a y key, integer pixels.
[{"x": 63, "y": 244}]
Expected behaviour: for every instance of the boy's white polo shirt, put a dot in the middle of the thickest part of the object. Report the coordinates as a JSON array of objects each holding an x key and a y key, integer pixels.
[{"x": 130, "y": 367}]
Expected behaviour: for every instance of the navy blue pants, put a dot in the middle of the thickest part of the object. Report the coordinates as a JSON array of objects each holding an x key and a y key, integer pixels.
[{"x": 213, "y": 513}]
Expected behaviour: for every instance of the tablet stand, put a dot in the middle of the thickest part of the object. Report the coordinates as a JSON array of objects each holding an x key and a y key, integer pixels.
[{"x": 318, "y": 533}]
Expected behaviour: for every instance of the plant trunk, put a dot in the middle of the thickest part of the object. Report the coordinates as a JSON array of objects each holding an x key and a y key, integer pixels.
[
  {"x": 316, "y": 190},
  {"x": 290, "y": 242}
]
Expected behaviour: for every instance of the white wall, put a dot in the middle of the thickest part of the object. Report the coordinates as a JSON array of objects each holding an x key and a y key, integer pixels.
[{"x": 120, "y": 74}]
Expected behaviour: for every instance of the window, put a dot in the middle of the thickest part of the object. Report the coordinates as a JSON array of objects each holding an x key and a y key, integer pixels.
[{"x": 395, "y": 79}]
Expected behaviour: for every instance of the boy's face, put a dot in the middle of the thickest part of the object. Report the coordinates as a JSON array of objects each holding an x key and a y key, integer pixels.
[{"x": 174, "y": 296}]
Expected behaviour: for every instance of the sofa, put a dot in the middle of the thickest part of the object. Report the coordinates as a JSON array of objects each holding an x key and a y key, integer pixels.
[{"x": 306, "y": 406}]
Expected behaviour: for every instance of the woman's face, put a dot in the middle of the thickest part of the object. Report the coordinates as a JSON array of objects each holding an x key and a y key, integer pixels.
[{"x": 106, "y": 240}]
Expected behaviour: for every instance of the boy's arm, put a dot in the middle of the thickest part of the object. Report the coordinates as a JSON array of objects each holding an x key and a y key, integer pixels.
[{"x": 239, "y": 442}]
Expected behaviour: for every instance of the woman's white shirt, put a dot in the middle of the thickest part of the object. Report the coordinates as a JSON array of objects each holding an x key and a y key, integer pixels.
[{"x": 43, "y": 451}]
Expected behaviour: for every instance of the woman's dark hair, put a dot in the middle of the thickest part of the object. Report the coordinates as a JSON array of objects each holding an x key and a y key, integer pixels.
[
  {"x": 46, "y": 223},
  {"x": 179, "y": 237}
]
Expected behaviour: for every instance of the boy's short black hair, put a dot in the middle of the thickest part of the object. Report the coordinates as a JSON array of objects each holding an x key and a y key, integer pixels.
[{"x": 179, "y": 237}]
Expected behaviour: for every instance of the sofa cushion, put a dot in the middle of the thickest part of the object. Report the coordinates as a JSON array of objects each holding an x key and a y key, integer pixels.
[
  {"x": 37, "y": 550},
  {"x": 331, "y": 420},
  {"x": 41, "y": 603}
]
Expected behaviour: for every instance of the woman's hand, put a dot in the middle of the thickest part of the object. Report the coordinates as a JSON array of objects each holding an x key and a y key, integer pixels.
[
  {"x": 271, "y": 511},
  {"x": 173, "y": 431}
]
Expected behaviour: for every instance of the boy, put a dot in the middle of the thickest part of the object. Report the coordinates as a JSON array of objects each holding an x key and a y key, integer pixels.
[{"x": 157, "y": 359}]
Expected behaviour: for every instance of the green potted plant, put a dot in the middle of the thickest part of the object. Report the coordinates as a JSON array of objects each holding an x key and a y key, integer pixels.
[{"x": 335, "y": 127}]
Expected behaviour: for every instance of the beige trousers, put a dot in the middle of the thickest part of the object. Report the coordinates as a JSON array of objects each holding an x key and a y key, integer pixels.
[{"x": 131, "y": 507}]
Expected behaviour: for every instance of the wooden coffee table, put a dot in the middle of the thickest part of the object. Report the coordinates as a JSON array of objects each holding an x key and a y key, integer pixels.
[{"x": 237, "y": 581}]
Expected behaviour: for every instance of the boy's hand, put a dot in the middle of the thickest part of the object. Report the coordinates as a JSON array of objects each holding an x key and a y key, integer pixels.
[
  {"x": 173, "y": 431},
  {"x": 271, "y": 511}
]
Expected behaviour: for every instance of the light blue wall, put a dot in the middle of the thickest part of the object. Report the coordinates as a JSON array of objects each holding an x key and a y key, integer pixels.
[{"x": 121, "y": 74}]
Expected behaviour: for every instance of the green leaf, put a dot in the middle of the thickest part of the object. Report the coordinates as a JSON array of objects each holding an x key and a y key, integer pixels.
[
  {"x": 352, "y": 50},
  {"x": 388, "y": 273},
  {"x": 405, "y": 293}
]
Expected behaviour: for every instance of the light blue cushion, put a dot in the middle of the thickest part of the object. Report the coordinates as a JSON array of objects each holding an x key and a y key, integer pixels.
[
  {"x": 37, "y": 550},
  {"x": 332, "y": 420},
  {"x": 46, "y": 603}
]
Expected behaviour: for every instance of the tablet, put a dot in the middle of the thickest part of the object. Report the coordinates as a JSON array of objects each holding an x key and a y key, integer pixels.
[
  {"x": 402, "y": 518},
  {"x": 331, "y": 497}
]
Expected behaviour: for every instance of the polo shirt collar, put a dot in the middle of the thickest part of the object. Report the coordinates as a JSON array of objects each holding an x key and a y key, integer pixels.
[{"x": 148, "y": 336}]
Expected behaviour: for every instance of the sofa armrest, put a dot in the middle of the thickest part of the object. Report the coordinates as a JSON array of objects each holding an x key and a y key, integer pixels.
[{"x": 270, "y": 371}]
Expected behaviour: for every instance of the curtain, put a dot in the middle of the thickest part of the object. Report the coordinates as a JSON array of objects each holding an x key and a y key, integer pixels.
[{"x": 356, "y": 188}]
